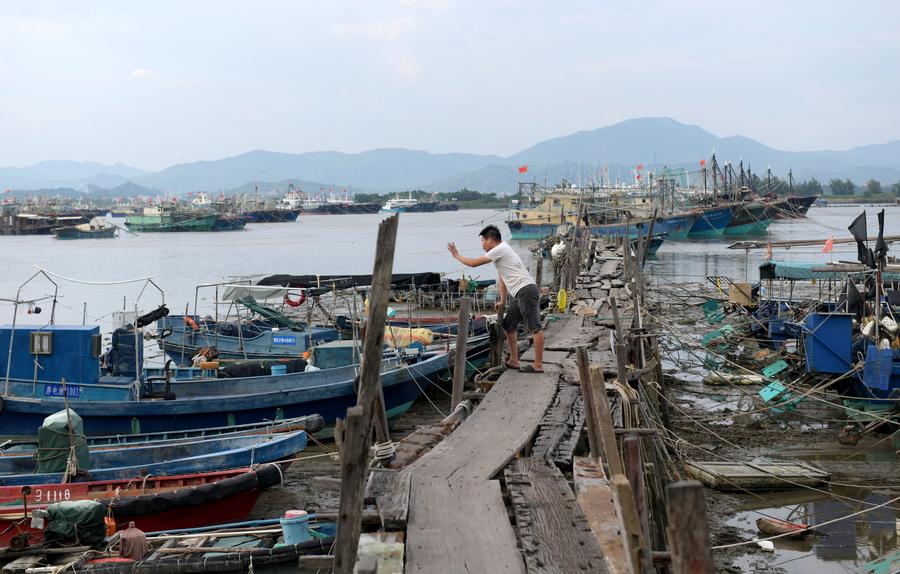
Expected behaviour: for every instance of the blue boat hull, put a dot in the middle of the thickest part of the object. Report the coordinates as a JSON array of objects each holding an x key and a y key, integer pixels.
[
  {"x": 187, "y": 458},
  {"x": 330, "y": 400},
  {"x": 711, "y": 222}
]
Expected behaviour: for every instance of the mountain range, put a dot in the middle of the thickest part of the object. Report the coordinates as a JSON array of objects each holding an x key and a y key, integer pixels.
[{"x": 580, "y": 156}]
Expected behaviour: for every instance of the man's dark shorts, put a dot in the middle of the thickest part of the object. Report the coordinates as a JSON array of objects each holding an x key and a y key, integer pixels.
[{"x": 526, "y": 305}]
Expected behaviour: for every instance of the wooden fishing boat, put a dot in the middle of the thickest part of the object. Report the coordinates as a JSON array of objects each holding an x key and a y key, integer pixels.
[
  {"x": 310, "y": 424},
  {"x": 152, "y": 503},
  {"x": 284, "y": 396},
  {"x": 210, "y": 454},
  {"x": 223, "y": 548},
  {"x": 168, "y": 219},
  {"x": 96, "y": 228}
]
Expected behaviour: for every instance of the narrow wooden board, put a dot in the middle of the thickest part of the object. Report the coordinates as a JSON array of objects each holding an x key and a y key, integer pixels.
[
  {"x": 553, "y": 532},
  {"x": 389, "y": 489},
  {"x": 550, "y": 357},
  {"x": 758, "y": 475},
  {"x": 595, "y": 498},
  {"x": 457, "y": 520},
  {"x": 571, "y": 335},
  {"x": 460, "y": 527}
]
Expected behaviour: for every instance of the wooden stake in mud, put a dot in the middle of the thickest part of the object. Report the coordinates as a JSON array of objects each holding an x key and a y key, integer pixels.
[
  {"x": 539, "y": 266},
  {"x": 371, "y": 395},
  {"x": 688, "y": 529},
  {"x": 354, "y": 461},
  {"x": 459, "y": 365}
]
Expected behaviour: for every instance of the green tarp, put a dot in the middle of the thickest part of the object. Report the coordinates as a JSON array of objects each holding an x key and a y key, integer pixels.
[
  {"x": 803, "y": 271},
  {"x": 55, "y": 442},
  {"x": 75, "y": 522}
]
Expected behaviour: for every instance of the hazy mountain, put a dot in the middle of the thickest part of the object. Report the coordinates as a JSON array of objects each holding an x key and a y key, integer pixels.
[
  {"x": 72, "y": 174},
  {"x": 380, "y": 169},
  {"x": 577, "y": 157},
  {"x": 127, "y": 189}
]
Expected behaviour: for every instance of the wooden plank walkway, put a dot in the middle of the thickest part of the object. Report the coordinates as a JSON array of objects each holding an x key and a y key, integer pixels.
[
  {"x": 554, "y": 534},
  {"x": 457, "y": 518}
]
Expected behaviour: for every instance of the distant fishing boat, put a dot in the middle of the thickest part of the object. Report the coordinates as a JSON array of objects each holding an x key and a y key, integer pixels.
[
  {"x": 711, "y": 222},
  {"x": 171, "y": 219},
  {"x": 400, "y": 204},
  {"x": 96, "y": 228},
  {"x": 15, "y": 221}
]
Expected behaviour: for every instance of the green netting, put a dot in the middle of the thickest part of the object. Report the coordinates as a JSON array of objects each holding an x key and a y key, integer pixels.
[{"x": 713, "y": 312}]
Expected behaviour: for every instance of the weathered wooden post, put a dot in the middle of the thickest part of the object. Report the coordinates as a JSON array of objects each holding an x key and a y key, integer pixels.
[
  {"x": 634, "y": 469},
  {"x": 354, "y": 459},
  {"x": 623, "y": 500},
  {"x": 498, "y": 339},
  {"x": 371, "y": 395},
  {"x": 590, "y": 411},
  {"x": 539, "y": 266},
  {"x": 369, "y": 404},
  {"x": 688, "y": 529},
  {"x": 459, "y": 364},
  {"x": 607, "y": 432},
  {"x": 621, "y": 368}
]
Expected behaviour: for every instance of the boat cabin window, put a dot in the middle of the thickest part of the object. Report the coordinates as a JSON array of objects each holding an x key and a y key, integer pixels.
[{"x": 41, "y": 343}]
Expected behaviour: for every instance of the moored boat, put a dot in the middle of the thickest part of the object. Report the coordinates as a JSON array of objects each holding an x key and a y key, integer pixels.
[
  {"x": 96, "y": 228},
  {"x": 170, "y": 219},
  {"x": 711, "y": 222}
]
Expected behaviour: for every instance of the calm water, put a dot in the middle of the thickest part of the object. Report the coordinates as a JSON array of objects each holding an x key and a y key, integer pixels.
[{"x": 178, "y": 262}]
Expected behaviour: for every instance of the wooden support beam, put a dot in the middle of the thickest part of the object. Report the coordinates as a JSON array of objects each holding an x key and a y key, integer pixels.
[
  {"x": 688, "y": 529},
  {"x": 354, "y": 463},
  {"x": 370, "y": 393},
  {"x": 607, "y": 432},
  {"x": 538, "y": 267},
  {"x": 498, "y": 339},
  {"x": 595, "y": 442},
  {"x": 634, "y": 467},
  {"x": 459, "y": 364}
]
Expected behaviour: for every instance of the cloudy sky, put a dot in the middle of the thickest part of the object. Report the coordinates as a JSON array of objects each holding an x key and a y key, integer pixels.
[{"x": 156, "y": 83}]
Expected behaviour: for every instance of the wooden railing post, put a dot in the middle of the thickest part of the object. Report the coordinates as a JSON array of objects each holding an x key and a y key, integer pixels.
[
  {"x": 688, "y": 529},
  {"x": 634, "y": 469},
  {"x": 459, "y": 364},
  {"x": 607, "y": 432}
]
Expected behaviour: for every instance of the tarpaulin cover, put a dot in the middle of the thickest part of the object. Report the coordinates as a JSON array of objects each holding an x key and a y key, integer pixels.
[
  {"x": 75, "y": 522},
  {"x": 54, "y": 443}
]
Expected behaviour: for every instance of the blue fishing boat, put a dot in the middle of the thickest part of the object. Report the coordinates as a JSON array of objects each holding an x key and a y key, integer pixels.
[
  {"x": 284, "y": 396},
  {"x": 271, "y": 335},
  {"x": 711, "y": 222},
  {"x": 157, "y": 459}
]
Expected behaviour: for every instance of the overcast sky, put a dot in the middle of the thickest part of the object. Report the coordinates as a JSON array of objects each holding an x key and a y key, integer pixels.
[{"x": 156, "y": 83}]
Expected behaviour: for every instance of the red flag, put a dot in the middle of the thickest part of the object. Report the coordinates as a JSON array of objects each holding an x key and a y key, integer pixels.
[
  {"x": 523, "y": 168},
  {"x": 702, "y": 163},
  {"x": 769, "y": 252},
  {"x": 829, "y": 245},
  {"x": 638, "y": 176},
  {"x": 640, "y": 166}
]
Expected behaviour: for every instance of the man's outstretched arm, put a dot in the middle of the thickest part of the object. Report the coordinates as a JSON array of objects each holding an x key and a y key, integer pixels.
[{"x": 470, "y": 261}]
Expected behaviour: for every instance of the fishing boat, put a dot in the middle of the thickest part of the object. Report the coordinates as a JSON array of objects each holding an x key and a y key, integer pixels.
[
  {"x": 752, "y": 218},
  {"x": 238, "y": 400},
  {"x": 400, "y": 204},
  {"x": 166, "y": 458},
  {"x": 96, "y": 228},
  {"x": 153, "y": 503},
  {"x": 171, "y": 219},
  {"x": 271, "y": 335},
  {"x": 16, "y": 221},
  {"x": 711, "y": 222},
  {"x": 231, "y": 222},
  {"x": 233, "y": 547}
]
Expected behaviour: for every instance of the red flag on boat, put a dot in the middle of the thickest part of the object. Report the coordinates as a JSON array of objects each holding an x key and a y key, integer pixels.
[
  {"x": 523, "y": 168},
  {"x": 702, "y": 163},
  {"x": 640, "y": 166},
  {"x": 829, "y": 245}
]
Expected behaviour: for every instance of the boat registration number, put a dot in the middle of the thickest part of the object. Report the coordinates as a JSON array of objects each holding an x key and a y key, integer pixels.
[
  {"x": 56, "y": 390},
  {"x": 284, "y": 339},
  {"x": 50, "y": 495}
]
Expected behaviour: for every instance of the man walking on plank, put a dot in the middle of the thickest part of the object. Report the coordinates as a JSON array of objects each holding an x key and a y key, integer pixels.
[{"x": 526, "y": 295}]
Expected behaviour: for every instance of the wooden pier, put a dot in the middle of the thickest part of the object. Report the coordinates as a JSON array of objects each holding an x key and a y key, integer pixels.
[{"x": 502, "y": 490}]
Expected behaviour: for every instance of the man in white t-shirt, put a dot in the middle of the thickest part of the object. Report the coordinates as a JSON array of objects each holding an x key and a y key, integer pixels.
[{"x": 517, "y": 282}]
